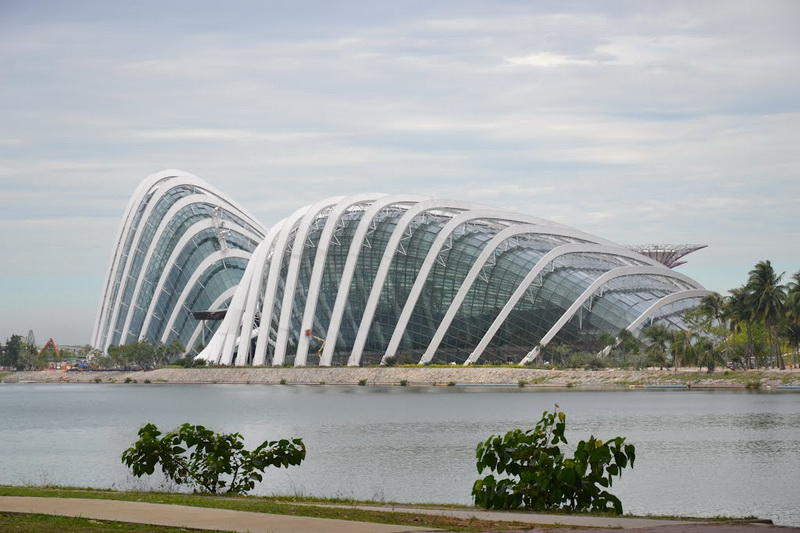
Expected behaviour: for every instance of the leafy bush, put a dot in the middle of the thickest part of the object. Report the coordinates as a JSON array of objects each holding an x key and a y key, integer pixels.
[
  {"x": 208, "y": 461},
  {"x": 542, "y": 478}
]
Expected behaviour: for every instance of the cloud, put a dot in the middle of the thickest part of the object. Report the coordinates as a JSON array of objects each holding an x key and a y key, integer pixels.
[
  {"x": 222, "y": 135},
  {"x": 632, "y": 121},
  {"x": 549, "y": 60}
]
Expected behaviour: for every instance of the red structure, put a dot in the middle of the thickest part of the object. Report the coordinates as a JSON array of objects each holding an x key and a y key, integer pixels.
[{"x": 52, "y": 344}]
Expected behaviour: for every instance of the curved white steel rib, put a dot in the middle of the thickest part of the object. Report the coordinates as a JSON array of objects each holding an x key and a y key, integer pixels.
[
  {"x": 548, "y": 258},
  {"x": 436, "y": 248},
  {"x": 116, "y": 253},
  {"x": 138, "y": 212},
  {"x": 275, "y": 264},
  {"x": 287, "y": 305},
  {"x": 252, "y": 291},
  {"x": 666, "y": 300},
  {"x": 589, "y": 292},
  {"x": 350, "y": 266},
  {"x": 153, "y": 195},
  {"x": 198, "y": 272},
  {"x": 477, "y": 267},
  {"x": 228, "y": 294},
  {"x": 318, "y": 270},
  {"x": 189, "y": 233},
  {"x": 386, "y": 261},
  {"x": 391, "y": 250}
]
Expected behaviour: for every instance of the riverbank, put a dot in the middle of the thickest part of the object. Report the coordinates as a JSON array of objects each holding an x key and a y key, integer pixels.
[
  {"x": 278, "y": 515},
  {"x": 431, "y": 375}
]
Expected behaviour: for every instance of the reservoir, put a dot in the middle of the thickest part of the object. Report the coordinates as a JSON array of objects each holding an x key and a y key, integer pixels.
[{"x": 699, "y": 453}]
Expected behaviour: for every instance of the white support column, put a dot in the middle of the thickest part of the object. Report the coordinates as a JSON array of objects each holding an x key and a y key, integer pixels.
[
  {"x": 350, "y": 265},
  {"x": 198, "y": 226},
  {"x": 250, "y": 292},
  {"x": 419, "y": 282},
  {"x": 318, "y": 270},
  {"x": 666, "y": 300},
  {"x": 287, "y": 305},
  {"x": 615, "y": 273},
  {"x": 488, "y": 251},
  {"x": 199, "y": 271},
  {"x": 271, "y": 285},
  {"x": 222, "y": 298},
  {"x": 546, "y": 260}
]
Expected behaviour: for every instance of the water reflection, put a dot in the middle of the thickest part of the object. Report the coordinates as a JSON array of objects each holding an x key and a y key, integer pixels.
[{"x": 699, "y": 452}]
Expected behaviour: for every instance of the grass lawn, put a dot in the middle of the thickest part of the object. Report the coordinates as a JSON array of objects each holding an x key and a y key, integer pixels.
[{"x": 39, "y": 523}]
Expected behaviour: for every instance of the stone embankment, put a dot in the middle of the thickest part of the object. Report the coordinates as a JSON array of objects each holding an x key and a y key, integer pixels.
[{"x": 417, "y": 376}]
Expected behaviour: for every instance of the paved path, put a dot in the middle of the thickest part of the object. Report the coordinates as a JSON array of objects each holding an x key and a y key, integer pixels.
[
  {"x": 527, "y": 518},
  {"x": 241, "y": 521},
  {"x": 192, "y": 517}
]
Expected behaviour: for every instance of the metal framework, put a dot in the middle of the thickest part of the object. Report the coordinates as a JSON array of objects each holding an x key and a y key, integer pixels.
[
  {"x": 359, "y": 279},
  {"x": 669, "y": 255}
]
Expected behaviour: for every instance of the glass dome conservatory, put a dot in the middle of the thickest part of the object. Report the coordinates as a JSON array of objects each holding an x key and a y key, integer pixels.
[{"x": 359, "y": 279}]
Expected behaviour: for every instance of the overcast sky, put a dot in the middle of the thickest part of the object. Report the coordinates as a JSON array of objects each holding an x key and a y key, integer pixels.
[{"x": 641, "y": 122}]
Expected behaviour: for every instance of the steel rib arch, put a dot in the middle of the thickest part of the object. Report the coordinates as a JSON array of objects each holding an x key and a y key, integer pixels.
[
  {"x": 666, "y": 300},
  {"x": 592, "y": 289},
  {"x": 320, "y": 259},
  {"x": 436, "y": 249},
  {"x": 189, "y": 234},
  {"x": 543, "y": 263},
  {"x": 317, "y": 211},
  {"x": 153, "y": 189},
  {"x": 490, "y": 249},
  {"x": 273, "y": 275},
  {"x": 353, "y": 254},
  {"x": 201, "y": 269}
]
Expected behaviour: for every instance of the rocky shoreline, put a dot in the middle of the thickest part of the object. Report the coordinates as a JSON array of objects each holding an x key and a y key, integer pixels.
[{"x": 427, "y": 376}]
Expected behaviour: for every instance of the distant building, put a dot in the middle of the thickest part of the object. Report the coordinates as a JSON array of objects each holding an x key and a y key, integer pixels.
[{"x": 358, "y": 279}]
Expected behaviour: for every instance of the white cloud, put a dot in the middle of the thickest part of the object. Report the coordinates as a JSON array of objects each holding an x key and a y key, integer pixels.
[
  {"x": 549, "y": 60},
  {"x": 635, "y": 122}
]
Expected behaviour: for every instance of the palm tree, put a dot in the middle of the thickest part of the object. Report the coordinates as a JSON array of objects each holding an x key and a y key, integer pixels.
[
  {"x": 767, "y": 296},
  {"x": 682, "y": 348},
  {"x": 792, "y": 309},
  {"x": 737, "y": 312},
  {"x": 712, "y": 306},
  {"x": 659, "y": 337}
]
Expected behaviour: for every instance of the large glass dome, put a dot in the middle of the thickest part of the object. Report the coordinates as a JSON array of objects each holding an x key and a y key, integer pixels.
[{"x": 359, "y": 279}]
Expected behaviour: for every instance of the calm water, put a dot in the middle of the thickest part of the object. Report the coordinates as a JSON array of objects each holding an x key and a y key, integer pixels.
[{"x": 698, "y": 453}]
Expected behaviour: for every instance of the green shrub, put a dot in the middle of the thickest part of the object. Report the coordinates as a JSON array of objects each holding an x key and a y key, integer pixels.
[
  {"x": 403, "y": 382},
  {"x": 362, "y": 382},
  {"x": 283, "y": 381},
  {"x": 128, "y": 380},
  {"x": 390, "y": 361},
  {"x": 208, "y": 461},
  {"x": 521, "y": 383},
  {"x": 451, "y": 383},
  {"x": 541, "y": 478}
]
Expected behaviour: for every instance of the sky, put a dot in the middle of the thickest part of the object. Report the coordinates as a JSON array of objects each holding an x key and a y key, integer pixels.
[{"x": 637, "y": 121}]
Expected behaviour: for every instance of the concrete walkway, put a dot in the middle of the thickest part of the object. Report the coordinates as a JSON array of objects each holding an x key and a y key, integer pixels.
[
  {"x": 191, "y": 517},
  {"x": 241, "y": 521},
  {"x": 526, "y": 518}
]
